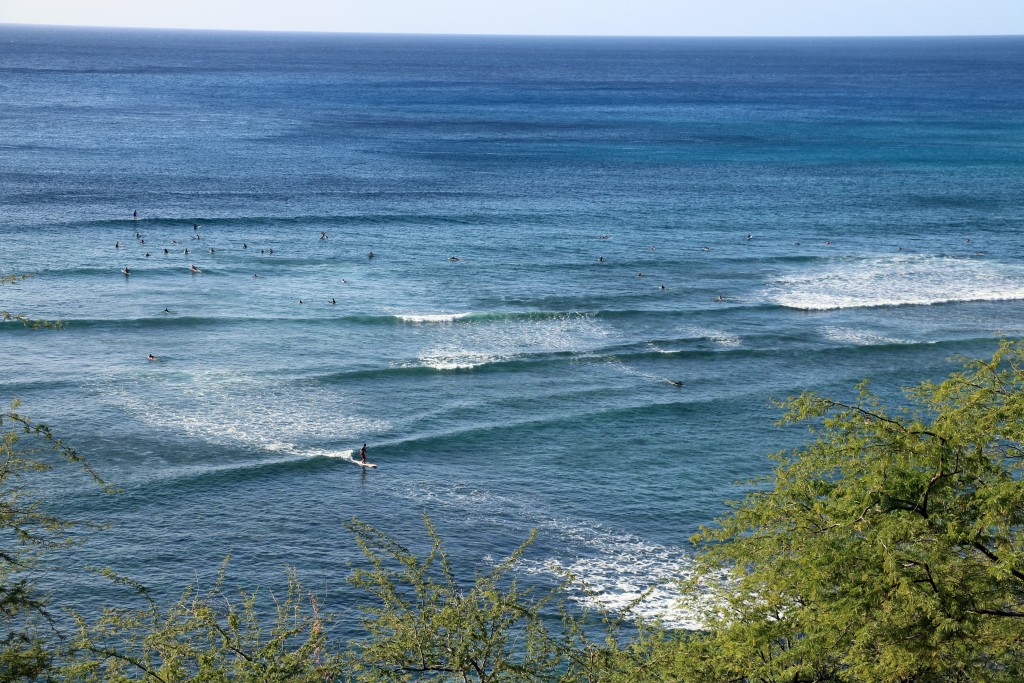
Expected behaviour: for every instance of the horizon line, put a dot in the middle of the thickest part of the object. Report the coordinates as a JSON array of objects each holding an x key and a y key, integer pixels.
[{"x": 501, "y": 35}]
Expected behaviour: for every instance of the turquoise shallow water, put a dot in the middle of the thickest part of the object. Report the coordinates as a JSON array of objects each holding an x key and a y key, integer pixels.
[{"x": 750, "y": 217}]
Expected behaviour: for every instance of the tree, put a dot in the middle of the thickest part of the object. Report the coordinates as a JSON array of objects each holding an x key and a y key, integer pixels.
[
  {"x": 423, "y": 624},
  {"x": 208, "y": 636},
  {"x": 888, "y": 548},
  {"x": 7, "y": 316},
  {"x": 28, "y": 531}
]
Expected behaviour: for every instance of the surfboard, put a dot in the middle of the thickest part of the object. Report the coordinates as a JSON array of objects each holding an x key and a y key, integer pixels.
[{"x": 356, "y": 461}]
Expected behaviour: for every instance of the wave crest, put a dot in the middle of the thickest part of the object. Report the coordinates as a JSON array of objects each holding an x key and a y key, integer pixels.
[{"x": 910, "y": 280}]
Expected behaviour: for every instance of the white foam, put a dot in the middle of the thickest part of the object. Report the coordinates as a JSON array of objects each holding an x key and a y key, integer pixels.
[
  {"x": 613, "y": 570},
  {"x": 493, "y": 341},
  {"x": 347, "y": 454},
  {"x": 454, "y": 358},
  {"x": 850, "y": 336},
  {"x": 897, "y": 281},
  {"x": 724, "y": 339},
  {"x": 233, "y": 408},
  {"x": 627, "y": 573},
  {"x": 431, "y": 317}
]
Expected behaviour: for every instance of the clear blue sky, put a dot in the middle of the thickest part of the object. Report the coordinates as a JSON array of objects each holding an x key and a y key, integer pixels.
[{"x": 543, "y": 17}]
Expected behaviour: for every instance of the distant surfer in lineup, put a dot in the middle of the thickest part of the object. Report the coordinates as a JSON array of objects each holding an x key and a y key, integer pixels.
[
  {"x": 193, "y": 269},
  {"x": 135, "y": 215},
  {"x": 674, "y": 382},
  {"x": 362, "y": 454},
  {"x": 126, "y": 271},
  {"x": 150, "y": 357}
]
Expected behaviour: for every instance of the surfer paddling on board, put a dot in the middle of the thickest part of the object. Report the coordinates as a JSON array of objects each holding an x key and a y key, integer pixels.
[{"x": 362, "y": 454}]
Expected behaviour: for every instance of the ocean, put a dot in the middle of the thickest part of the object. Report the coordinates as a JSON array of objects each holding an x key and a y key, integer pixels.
[{"x": 560, "y": 227}]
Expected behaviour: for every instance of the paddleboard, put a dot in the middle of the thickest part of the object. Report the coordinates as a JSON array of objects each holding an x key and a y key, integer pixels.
[{"x": 367, "y": 465}]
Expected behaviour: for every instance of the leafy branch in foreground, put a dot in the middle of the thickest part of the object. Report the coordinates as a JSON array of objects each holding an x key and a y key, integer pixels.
[
  {"x": 425, "y": 625},
  {"x": 6, "y": 316},
  {"x": 889, "y": 548},
  {"x": 28, "y": 533},
  {"x": 208, "y": 636}
]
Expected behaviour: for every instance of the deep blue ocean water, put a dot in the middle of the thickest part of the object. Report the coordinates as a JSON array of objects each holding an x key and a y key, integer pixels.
[{"x": 750, "y": 217}]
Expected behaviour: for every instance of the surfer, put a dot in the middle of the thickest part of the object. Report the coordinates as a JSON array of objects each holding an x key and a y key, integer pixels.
[
  {"x": 674, "y": 382},
  {"x": 333, "y": 302},
  {"x": 117, "y": 245},
  {"x": 126, "y": 271},
  {"x": 193, "y": 269},
  {"x": 600, "y": 259},
  {"x": 370, "y": 255},
  {"x": 362, "y": 454},
  {"x": 167, "y": 311},
  {"x": 150, "y": 357},
  {"x": 135, "y": 215}
]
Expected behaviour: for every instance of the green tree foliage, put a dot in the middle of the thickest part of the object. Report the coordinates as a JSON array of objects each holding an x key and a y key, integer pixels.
[
  {"x": 208, "y": 636},
  {"x": 7, "y": 316},
  {"x": 889, "y": 548},
  {"x": 423, "y": 624},
  {"x": 28, "y": 532}
]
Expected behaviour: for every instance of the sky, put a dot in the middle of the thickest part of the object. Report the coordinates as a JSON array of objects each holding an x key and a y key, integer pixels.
[{"x": 542, "y": 17}]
